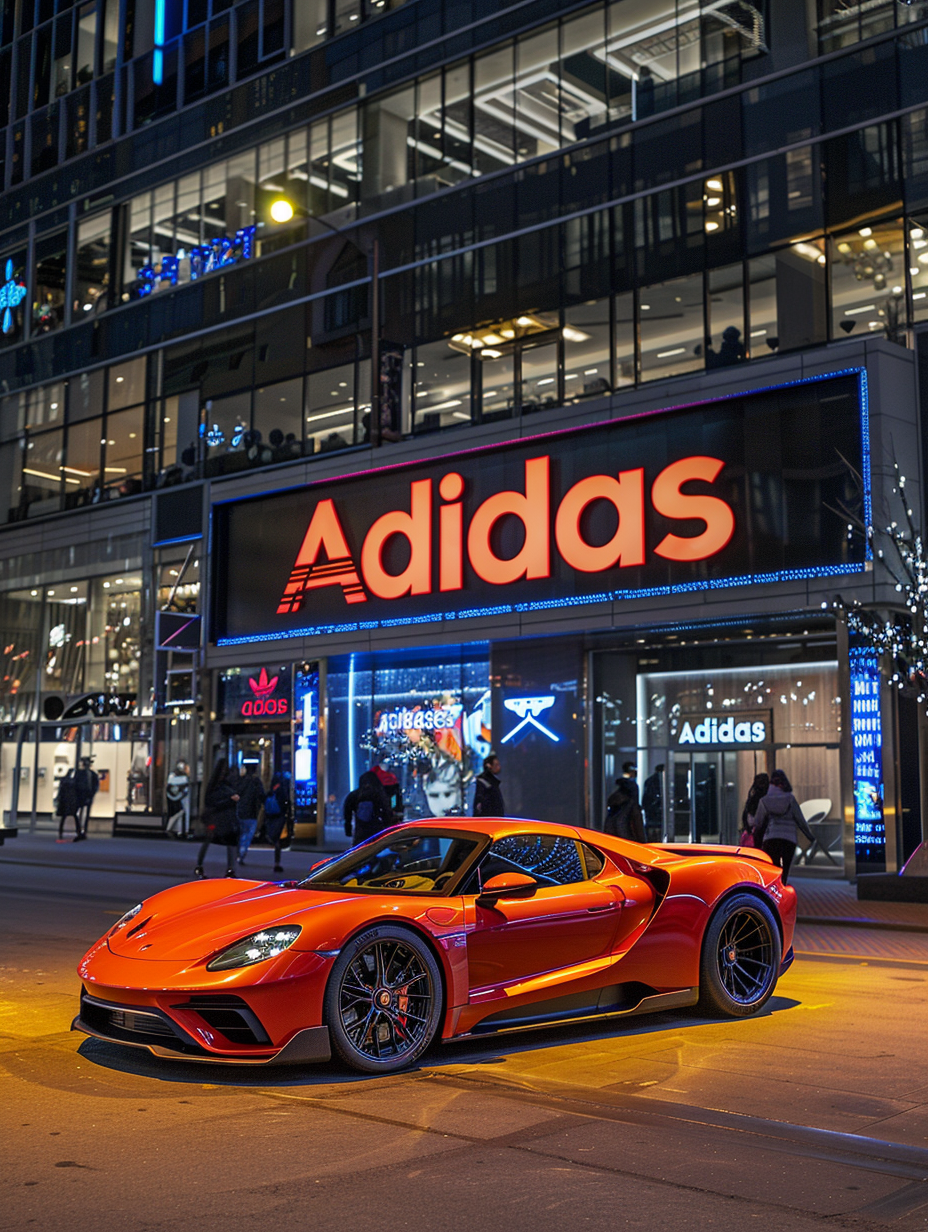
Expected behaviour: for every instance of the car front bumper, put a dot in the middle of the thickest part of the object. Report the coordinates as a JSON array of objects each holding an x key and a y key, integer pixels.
[{"x": 153, "y": 1028}]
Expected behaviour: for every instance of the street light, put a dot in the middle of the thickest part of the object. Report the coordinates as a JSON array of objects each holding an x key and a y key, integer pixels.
[{"x": 281, "y": 210}]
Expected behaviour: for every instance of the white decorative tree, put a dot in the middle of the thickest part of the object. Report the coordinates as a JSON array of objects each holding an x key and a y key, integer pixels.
[{"x": 898, "y": 630}]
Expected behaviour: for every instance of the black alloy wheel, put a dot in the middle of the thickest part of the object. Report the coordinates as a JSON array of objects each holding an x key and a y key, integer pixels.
[
  {"x": 741, "y": 956},
  {"x": 383, "y": 1002}
]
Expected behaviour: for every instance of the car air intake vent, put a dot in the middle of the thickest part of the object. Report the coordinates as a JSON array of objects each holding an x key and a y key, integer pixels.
[
  {"x": 230, "y": 1015},
  {"x": 128, "y": 1023}
]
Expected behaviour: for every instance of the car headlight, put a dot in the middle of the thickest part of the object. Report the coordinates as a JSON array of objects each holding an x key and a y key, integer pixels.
[
  {"x": 130, "y": 915},
  {"x": 266, "y": 944}
]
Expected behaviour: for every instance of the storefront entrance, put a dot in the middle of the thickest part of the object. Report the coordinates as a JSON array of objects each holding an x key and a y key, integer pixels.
[{"x": 705, "y": 804}]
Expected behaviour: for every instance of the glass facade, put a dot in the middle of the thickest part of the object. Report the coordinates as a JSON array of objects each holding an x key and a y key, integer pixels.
[{"x": 424, "y": 715}]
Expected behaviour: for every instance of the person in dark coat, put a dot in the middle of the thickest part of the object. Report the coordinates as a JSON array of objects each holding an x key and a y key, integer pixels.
[
  {"x": 652, "y": 803},
  {"x": 759, "y": 789},
  {"x": 66, "y": 805},
  {"x": 630, "y": 775},
  {"x": 278, "y": 816},
  {"x": 776, "y": 821},
  {"x": 367, "y": 810},
  {"x": 623, "y": 815},
  {"x": 251, "y": 797},
  {"x": 87, "y": 784},
  {"x": 488, "y": 797},
  {"x": 219, "y": 815}
]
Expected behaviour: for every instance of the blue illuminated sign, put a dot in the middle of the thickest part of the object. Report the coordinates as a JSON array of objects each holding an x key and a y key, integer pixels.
[
  {"x": 306, "y": 740},
  {"x": 188, "y": 264},
  {"x": 157, "y": 67},
  {"x": 12, "y": 294},
  {"x": 528, "y": 709},
  {"x": 867, "y": 744}
]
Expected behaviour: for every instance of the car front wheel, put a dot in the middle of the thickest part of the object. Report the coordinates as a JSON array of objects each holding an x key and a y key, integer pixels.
[
  {"x": 383, "y": 1002},
  {"x": 741, "y": 955}
]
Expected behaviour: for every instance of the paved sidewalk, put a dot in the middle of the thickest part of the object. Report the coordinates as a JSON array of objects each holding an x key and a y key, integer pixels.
[{"x": 831, "y": 920}]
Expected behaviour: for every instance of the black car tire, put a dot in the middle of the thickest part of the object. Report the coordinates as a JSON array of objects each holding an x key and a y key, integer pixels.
[
  {"x": 383, "y": 1001},
  {"x": 741, "y": 955}
]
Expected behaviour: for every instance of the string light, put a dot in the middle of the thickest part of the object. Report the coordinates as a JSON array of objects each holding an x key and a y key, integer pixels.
[{"x": 901, "y": 632}]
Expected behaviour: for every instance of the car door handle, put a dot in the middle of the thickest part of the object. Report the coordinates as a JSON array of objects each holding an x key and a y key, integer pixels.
[{"x": 604, "y": 907}]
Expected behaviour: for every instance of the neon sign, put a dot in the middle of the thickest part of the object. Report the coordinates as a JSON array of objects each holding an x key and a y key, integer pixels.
[
  {"x": 638, "y": 508},
  {"x": 402, "y": 719},
  {"x": 188, "y": 264},
  {"x": 533, "y": 507},
  {"x": 306, "y": 738},
  {"x": 867, "y": 744},
  {"x": 12, "y": 294},
  {"x": 263, "y": 702},
  {"x": 528, "y": 709},
  {"x": 724, "y": 731}
]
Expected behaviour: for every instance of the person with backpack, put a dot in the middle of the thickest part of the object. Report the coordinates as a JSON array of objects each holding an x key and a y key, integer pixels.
[
  {"x": 278, "y": 815},
  {"x": 367, "y": 810},
  {"x": 776, "y": 821},
  {"x": 392, "y": 790}
]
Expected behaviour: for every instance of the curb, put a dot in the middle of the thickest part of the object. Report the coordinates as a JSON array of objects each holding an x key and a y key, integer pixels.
[{"x": 858, "y": 922}]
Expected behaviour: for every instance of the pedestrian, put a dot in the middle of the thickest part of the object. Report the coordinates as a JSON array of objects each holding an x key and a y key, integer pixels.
[
  {"x": 367, "y": 810},
  {"x": 251, "y": 797},
  {"x": 177, "y": 799},
  {"x": 86, "y": 783},
  {"x": 652, "y": 803},
  {"x": 777, "y": 818},
  {"x": 630, "y": 774},
  {"x": 488, "y": 797},
  {"x": 623, "y": 813},
  {"x": 66, "y": 806},
  {"x": 758, "y": 790},
  {"x": 278, "y": 816},
  {"x": 392, "y": 790},
  {"x": 219, "y": 815}
]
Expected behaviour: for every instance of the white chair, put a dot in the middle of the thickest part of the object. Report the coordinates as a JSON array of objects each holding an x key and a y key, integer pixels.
[{"x": 815, "y": 811}]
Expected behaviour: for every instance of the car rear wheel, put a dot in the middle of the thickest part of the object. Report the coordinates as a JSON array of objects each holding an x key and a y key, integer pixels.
[
  {"x": 741, "y": 955},
  {"x": 383, "y": 1002}
]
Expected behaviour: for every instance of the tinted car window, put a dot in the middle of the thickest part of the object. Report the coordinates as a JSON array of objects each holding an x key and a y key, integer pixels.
[
  {"x": 549, "y": 859},
  {"x": 410, "y": 863},
  {"x": 592, "y": 859}
]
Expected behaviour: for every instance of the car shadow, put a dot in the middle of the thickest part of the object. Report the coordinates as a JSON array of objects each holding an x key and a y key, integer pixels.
[{"x": 485, "y": 1050}]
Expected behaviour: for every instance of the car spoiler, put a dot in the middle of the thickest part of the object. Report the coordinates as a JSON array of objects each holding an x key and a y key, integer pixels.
[{"x": 715, "y": 849}]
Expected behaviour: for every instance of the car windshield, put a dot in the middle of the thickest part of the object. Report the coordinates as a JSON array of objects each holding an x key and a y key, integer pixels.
[{"x": 418, "y": 863}]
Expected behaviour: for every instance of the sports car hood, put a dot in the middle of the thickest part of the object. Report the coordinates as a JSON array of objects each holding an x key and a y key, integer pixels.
[{"x": 194, "y": 921}]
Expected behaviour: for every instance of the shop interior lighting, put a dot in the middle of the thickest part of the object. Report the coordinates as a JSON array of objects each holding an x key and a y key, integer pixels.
[
  {"x": 281, "y": 210},
  {"x": 572, "y": 334}
]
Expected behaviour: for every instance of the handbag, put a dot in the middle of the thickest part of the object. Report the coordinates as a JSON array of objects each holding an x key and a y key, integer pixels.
[
  {"x": 746, "y": 839},
  {"x": 272, "y": 806}
]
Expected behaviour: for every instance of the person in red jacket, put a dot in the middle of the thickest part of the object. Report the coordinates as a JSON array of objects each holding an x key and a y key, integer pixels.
[{"x": 392, "y": 790}]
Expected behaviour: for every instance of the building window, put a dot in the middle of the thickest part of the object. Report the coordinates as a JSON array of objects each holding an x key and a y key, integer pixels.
[
  {"x": 92, "y": 272},
  {"x": 671, "y": 328},
  {"x": 48, "y": 303}
]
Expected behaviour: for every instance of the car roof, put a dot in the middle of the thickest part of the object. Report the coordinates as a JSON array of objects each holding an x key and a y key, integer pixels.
[{"x": 495, "y": 827}]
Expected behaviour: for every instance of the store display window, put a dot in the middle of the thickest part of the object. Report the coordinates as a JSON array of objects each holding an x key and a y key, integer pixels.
[{"x": 423, "y": 715}]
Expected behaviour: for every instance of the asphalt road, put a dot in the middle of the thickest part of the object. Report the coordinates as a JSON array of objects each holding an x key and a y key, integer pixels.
[{"x": 813, "y": 1115}]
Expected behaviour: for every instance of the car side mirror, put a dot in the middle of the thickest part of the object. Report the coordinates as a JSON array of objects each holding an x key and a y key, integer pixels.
[{"x": 506, "y": 885}]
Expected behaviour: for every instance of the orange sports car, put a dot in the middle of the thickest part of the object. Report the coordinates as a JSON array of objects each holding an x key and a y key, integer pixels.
[{"x": 447, "y": 928}]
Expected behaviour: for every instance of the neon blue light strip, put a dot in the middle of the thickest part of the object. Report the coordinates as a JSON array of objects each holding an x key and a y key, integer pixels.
[
  {"x": 157, "y": 68},
  {"x": 507, "y": 609}
]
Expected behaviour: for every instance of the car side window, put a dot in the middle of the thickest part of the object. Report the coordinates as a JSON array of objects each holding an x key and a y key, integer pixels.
[
  {"x": 550, "y": 859},
  {"x": 595, "y": 863}
]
